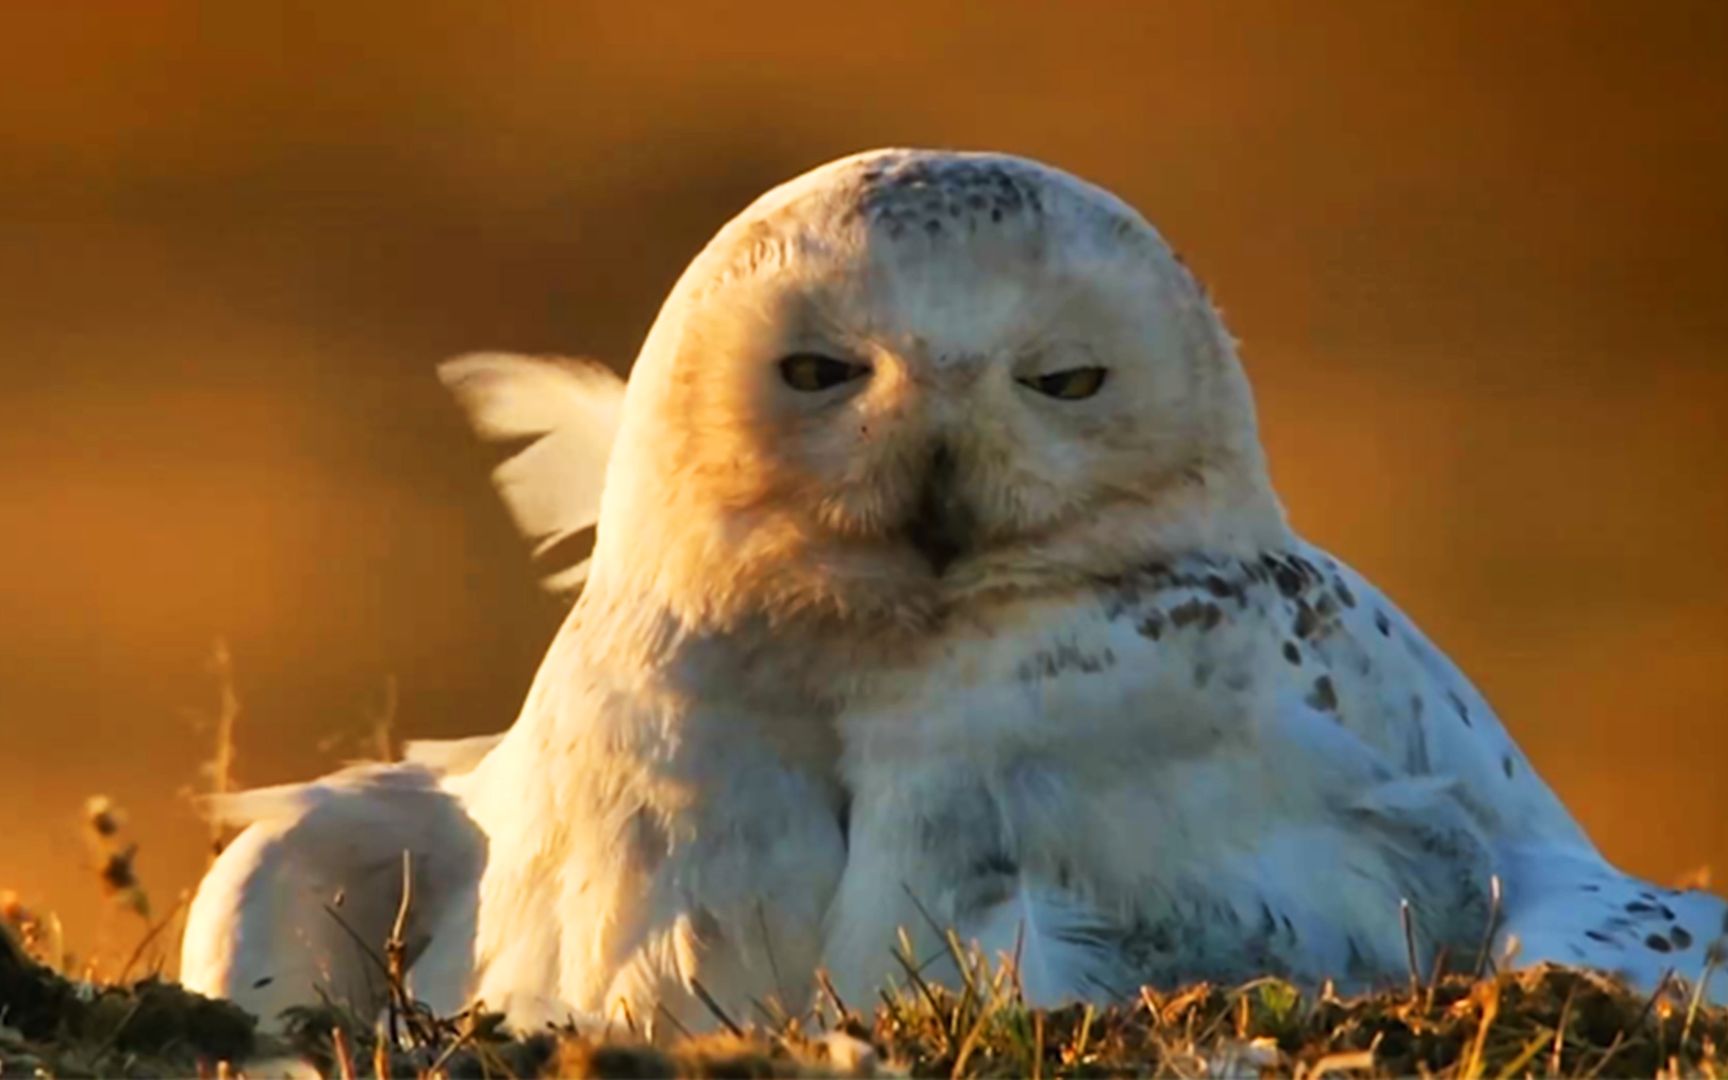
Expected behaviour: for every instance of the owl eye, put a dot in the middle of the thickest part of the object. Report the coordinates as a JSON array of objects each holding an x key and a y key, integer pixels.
[
  {"x": 810, "y": 372},
  {"x": 1071, "y": 385}
]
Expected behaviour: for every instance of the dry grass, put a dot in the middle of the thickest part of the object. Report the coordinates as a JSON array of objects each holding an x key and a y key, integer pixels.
[{"x": 1544, "y": 1022}]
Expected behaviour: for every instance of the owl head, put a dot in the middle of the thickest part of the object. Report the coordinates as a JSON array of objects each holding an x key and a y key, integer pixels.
[{"x": 909, "y": 381}]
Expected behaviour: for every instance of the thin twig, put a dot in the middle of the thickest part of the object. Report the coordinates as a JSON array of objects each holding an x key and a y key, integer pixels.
[
  {"x": 396, "y": 951},
  {"x": 150, "y": 935},
  {"x": 1019, "y": 949},
  {"x": 339, "y": 1049},
  {"x": 1407, "y": 919},
  {"x": 1560, "y": 1031},
  {"x": 227, "y": 714},
  {"x": 827, "y": 986},
  {"x": 768, "y": 948},
  {"x": 1607, "y": 1055},
  {"x": 660, "y": 1009},
  {"x": 1084, "y": 1036},
  {"x": 365, "y": 947},
  {"x": 380, "y": 1053},
  {"x": 1488, "y": 932},
  {"x": 1471, "y": 1066},
  {"x": 1038, "y": 1045},
  {"x": 1441, "y": 958},
  {"x": 1712, "y": 956},
  {"x": 462, "y": 1039},
  {"x": 1655, "y": 996},
  {"x": 114, "y": 1036},
  {"x": 776, "y": 1016},
  {"x": 908, "y": 963},
  {"x": 1340, "y": 1061},
  {"x": 924, "y": 912},
  {"x": 384, "y": 723},
  {"x": 714, "y": 1007}
]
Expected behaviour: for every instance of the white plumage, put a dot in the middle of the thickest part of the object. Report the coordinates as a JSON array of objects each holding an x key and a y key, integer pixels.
[
  {"x": 1218, "y": 769},
  {"x": 939, "y": 577},
  {"x": 556, "y": 418},
  {"x": 303, "y": 900}
]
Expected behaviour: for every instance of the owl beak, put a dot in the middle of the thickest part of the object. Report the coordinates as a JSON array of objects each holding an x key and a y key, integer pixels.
[{"x": 941, "y": 526}]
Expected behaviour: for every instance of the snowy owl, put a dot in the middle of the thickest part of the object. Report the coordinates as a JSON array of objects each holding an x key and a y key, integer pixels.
[
  {"x": 1122, "y": 724},
  {"x": 939, "y": 583}
]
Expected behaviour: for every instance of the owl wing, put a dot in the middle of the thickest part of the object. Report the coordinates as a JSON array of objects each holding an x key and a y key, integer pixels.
[
  {"x": 1401, "y": 694},
  {"x": 300, "y": 905},
  {"x": 554, "y": 419},
  {"x": 1563, "y": 901}
]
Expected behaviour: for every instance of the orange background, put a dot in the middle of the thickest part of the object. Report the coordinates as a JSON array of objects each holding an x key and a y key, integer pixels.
[{"x": 1476, "y": 254}]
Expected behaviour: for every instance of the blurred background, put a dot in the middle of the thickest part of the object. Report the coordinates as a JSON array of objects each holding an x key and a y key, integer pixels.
[{"x": 1476, "y": 254}]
